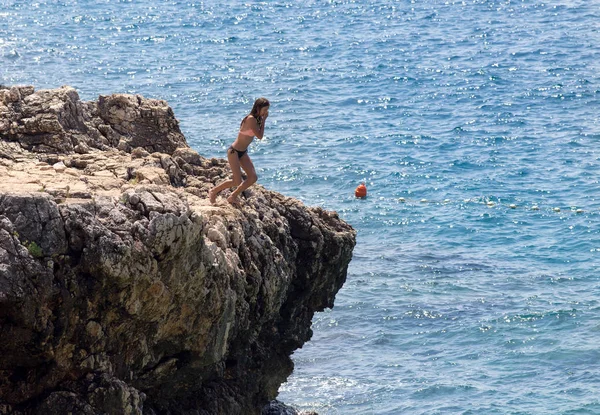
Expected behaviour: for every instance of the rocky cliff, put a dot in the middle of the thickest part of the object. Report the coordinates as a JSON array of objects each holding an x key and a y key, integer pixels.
[{"x": 122, "y": 290}]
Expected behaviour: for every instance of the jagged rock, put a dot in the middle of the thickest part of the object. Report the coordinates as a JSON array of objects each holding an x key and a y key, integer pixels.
[
  {"x": 56, "y": 121},
  {"x": 278, "y": 408},
  {"x": 122, "y": 290},
  {"x": 96, "y": 393},
  {"x": 139, "y": 122}
]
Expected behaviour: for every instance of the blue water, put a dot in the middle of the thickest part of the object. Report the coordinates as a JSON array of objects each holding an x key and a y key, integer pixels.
[{"x": 452, "y": 306}]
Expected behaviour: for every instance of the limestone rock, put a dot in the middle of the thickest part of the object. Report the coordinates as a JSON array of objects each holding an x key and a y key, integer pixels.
[
  {"x": 56, "y": 121},
  {"x": 279, "y": 408},
  {"x": 122, "y": 290},
  {"x": 138, "y": 122}
]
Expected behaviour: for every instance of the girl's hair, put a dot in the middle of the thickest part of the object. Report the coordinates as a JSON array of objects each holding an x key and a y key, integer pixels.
[{"x": 259, "y": 104}]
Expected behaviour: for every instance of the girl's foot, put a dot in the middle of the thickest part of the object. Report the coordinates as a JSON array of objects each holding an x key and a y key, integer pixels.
[
  {"x": 233, "y": 200},
  {"x": 212, "y": 196}
]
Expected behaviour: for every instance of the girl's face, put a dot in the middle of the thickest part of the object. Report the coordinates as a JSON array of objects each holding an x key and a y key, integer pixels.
[{"x": 264, "y": 111}]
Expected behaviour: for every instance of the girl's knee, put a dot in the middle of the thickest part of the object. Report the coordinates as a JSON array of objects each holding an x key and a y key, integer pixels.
[{"x": 253, "y": 178}]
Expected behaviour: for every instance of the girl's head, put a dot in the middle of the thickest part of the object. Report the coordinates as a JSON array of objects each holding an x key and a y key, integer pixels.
[
  {"x": 260, "y": 107},
  {"x": 259, "y": 110}
]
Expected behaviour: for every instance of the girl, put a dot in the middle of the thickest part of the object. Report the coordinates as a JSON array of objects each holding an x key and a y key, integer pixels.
[{"x": 252, "y": 125}]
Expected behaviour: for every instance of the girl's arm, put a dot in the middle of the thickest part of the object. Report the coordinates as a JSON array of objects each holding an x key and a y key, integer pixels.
[{"x": 257, "y": 128}]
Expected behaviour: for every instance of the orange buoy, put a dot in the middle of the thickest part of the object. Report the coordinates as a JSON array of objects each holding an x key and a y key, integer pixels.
[{"x": 361, "y": 191}]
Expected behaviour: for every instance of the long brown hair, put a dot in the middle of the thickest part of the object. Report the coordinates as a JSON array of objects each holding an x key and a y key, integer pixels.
[{"x": 259, "y": 104}]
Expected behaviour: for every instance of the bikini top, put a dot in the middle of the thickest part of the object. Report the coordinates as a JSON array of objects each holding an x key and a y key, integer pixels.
[{"x": 248, "y": 131}]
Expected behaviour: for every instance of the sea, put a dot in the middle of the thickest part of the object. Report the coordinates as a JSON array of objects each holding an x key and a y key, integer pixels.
[{"x": 475, "y": 285}]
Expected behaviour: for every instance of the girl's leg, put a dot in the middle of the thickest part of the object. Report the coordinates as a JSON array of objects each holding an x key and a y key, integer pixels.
[
  {"x": 212, "y": 194},
  {"x": 251, "y": 178},
  {"x": 234, "y": 163}
]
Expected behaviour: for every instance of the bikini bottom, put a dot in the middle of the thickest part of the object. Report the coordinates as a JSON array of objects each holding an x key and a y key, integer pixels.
[{"x": 240, "y": 154}]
